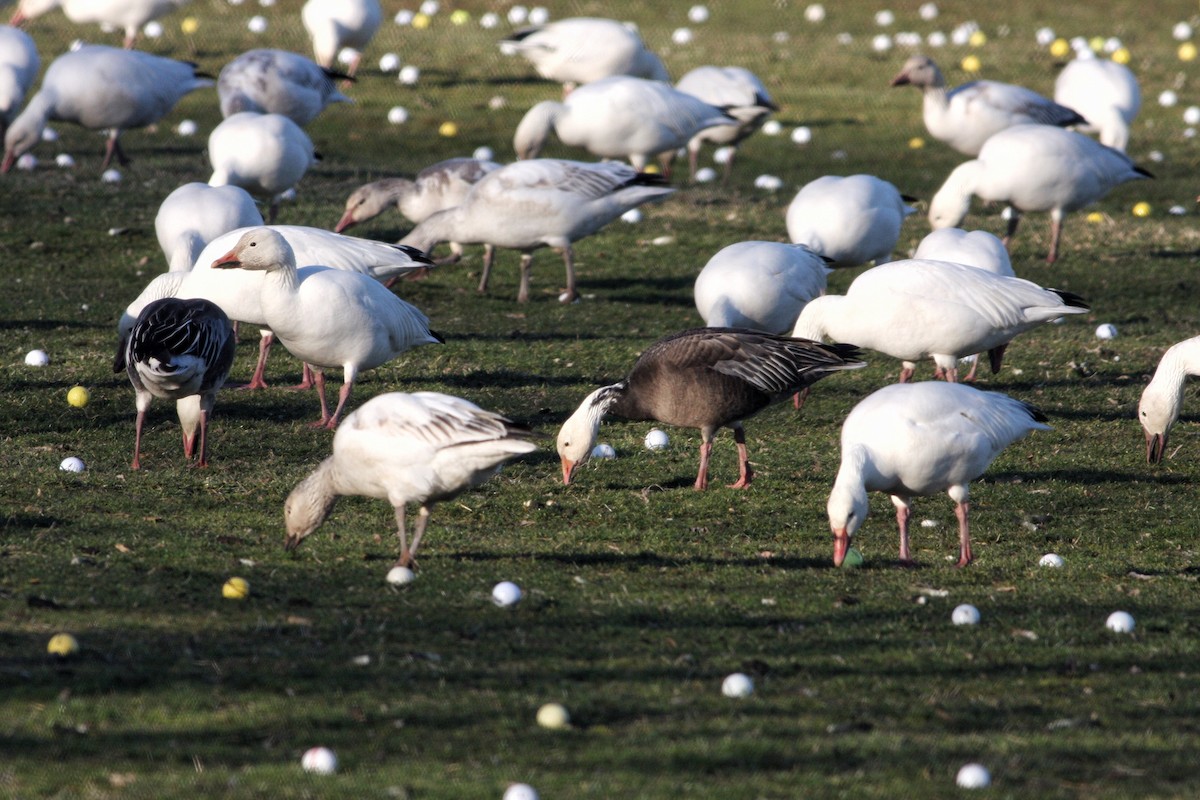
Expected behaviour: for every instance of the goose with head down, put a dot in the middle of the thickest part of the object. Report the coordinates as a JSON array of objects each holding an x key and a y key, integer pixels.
[
  {"x": 1162, "y": 399},
  {"x": 579, "y": 50}
]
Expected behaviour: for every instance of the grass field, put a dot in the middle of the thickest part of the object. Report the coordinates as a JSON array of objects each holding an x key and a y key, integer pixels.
[{"x": 641, "y": 594}]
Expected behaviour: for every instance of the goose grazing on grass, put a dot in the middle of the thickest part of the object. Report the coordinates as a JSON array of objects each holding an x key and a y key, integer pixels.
[
  {"x": 582, "y": 50},
  {"x": 265, "y": 154},
  {"x": 178, "y": 350},
  {"x": 1105, "y": 93},
  {"x": 436, "y": 188},
  {"x": 850, "y": 220},
  {"x": 421, "y": 448},
  {"x": 19, "y": 64},
  {"x": 737, "y": 91},
  {"x": 338, "y": 24},
  {"x": 913, "y": 310},
  {"x": 101, "y": 88},
  {"x": 1034, "y": 168},
  {"x": 619, "y": 117},
  {"x": 1162, "y": 398},
  {"x": 919, "y": 439},
  {"x": 705, "y": 378},
  {"x": 277, "y": 82},
  {"x": 330, "y": 318},
  {"x": 759, "y": 285},
  {"x": 966, "y": 116},
  {"x": 195, "y": 214},
  {"x": 540, "y": 203},
  {"x": 128, "y": 15}
]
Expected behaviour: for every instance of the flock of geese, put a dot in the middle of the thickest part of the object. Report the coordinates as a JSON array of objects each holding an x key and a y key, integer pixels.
[{"x": 324, "y": 295}]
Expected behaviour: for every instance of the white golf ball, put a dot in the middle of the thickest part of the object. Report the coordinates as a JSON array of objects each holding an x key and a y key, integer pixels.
[
  {"x": 520, "y": 791},
  {"x": 657, "y": 440},
  {"x": 72, "y": 464},
  {"x": 409, "y": 75},
  {"x": 1106, "y": 331},
  {"x": 257, "y": 24},
  {"x": 506, "y": 593},
  {"x": 706, "y": 175},
  {"x": 722, "y": 154},
  {"x": 111, "y": 176},
  {"x": 632, "y": 216},
  {"x": 698, "y": 14},
  {"x": 604, "y": 451},
  {"x": 518, "y": 14},
  {"x": 966, "y": 614},
  {"x": 27, "y": 162},
  {"x": 319, "y": 760},
  {"x": 489, "y": 20},
  {"x": 1177, "y": 211},
  {"x": 403, "y": 17},
  {"x": 49, "y": 134},
  {"x": 881, "y": 43},
  {"x": 738, "y": 684},
  {"x": 928, "y": 11},
  {"x": 153, "y": 29},
  {"x": 346, "y": 56},
  {"x": 36, "y": 358},
  {"x": 772, "y": 127},
  {"x": 430, "y": 7},
  {"x": 802, "y": 135},
  {"x": 815, "y": 12},
  {"x": 1120, "y": 622},
  {"x": 1182, "y": 31},
  {"x": 483, "y": 153},
  {"x": 400, "y": 576},
  {"x": 398, "y": 115},
  {"x": 186, "y": 128},
  {"x": 1045, "y": 36},
  {"x": 681, "y": 35},
  {"x": 539, "y": 15},
  {"x": 936, "y": 39},
  {"x": 553, "y": 716},
  {"x": 389, "y": 62},
  {"x": 884, "y": 18},
  {"x": 769, "y": 183},
  {"x": 1050, "y": 560},
  {"x": 973, "y": 776},
  {"x": 64, "y": 160},
  {"x": 1168, "y": 98}
]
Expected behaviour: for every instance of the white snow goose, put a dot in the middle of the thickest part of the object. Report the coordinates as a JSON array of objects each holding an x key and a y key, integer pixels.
[
  {"x": 540, "y": 203},
  {"x": 128, "y": 15},
  {"x": 102, "y": 88},
  {"x": 1034, "y": 168},
  {"x": 738, "y": 92},
  {"x": 848, "y": 220},
  {"x": 965, "y": 117},
  {"x": 918, "y": 439},
  {"x": 422, "y": 448},
  {"x": 19, "y": 64},
  {"x": 705, "y": 378},
  {"x": 580, "y": 50},
  {"x": 338, "y": 24},
  {"x": 265, "y": 154},
  {"x": 1162, "y": 398},
  {"x": 330, "y": 318},
  {"x": 1105, "y": 93},
  {"x": 619, "y": 118},
  {"x": 195, "y": 214},
  {"x": 277, "y": 82},
  {"x": 178, "y": 350},
  {"x": 913, "y": 310},
  {"x": 437, "y": 187},
  {"x": 759, "y": 285}
]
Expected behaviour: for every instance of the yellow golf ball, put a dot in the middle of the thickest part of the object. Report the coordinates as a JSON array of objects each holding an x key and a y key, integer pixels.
[
  {"x": 1060, "y": 48},
  {"x": 916, "y": 143},
  {"x": 1094, "y": 217},
  {"x": 460, "y": 17},
  {"x": 448, "y": 129},
  {"x": 420, "y": 21},
  {"x": 978, "y": 39},
  {"x": 1187, "y": 51},
  {"x": 971, "y": 64},
  {"x": 62, "y": 645},
  {"x": 1096, "y": 43},
  {"x": 1122, "y": 55},
  {"x": 651, "y": 169},
  {"x": 553, "y": 716},
  {"x": 78, "y": 396},
  {"x": 1141, "y": 209},
  {"x": 236, "y": 589},
  {"x": 189, "y": 25}
]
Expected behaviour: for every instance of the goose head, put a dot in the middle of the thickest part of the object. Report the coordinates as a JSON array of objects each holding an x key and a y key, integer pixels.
[
  {"x": 848, "y": 509},
  {"x": 579, "y": 432},
  {"x": 1157, "y": 411},
  {"x": 371, "y": 200},
  {"x": 919, "y": 71},
  {"x": 534, "y": 129},
  {"x": 308, "y": 505},
  {"x": 259, "y": 249}
]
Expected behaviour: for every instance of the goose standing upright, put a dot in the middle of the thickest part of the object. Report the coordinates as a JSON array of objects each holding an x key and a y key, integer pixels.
[
  {"x": 1162, "y": 399},
  {"x": 422, "y": 448},
  {"x": 265, "y": 154},
  {"x": 1105, "y": 93},
  {"x": 1034, "y": 168},
  {"x": 580, "y": 50},
  {"x": 759, "y": 285},
  {"x": 19, "y": 65},
  {"x": 619, "y": 117},
  {"x": 331, "y": 318},
  {"x": 178, "y": 350},
  {"x": 102, "y": 88},
  {"x": 128, "y": 15},
  {"x": 737, "y": 91},
  {"x": 965, "y": 117},
  {"x": 195, "y": 214},
  {"x": 848, "y": 220},
  {"x": 277, "y": 82},
  {"x": 918, "y": 439},
  {"x": 705, "y": 378},
  {"x": 540, "y": 203},
  {"x": 337, "y": 24}
]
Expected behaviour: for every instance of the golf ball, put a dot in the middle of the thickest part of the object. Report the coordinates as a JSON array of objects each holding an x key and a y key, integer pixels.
[
  {"x": 966, "y": 614},
  {"x": 928, "y": 11},
  {"x": 1050, "y": 560},
  {"x": 772, "y": 127},
  {"x": 320, "y": 760},
  {"x": 802, "y": 135},
  {"x": 235, "y": 589},
  {"x": 884, "y": 18},
  {"x": 698, "y": 14},
  {"x": 111, "y": 176},
  {"x": 389, "y": 62},
  {"x": 539, "y": 15},
  {"x": 1120, "y": 622},
  {"x": 722, "y": 154},
  {"x": 738, "y": 684},
  {"x": 1141, "y": 209},
  {"x": 400, "y": 576},
  {"x": 72, "y": 464},
  {"x": 520, "y": 791},
  {"x": 153, "y": 29},
  {"x": 257, "y": 24},
  {"x": 64, "y": 160},
  {"x": 27, "y": 162},
  {"x": 706, "y": 175},
  {"x": 553, "y": 716},
  {"x": 186, "y": 128},
  {"x": 1106, "y": 331},
  {"x": 632, "y": 216},
  {"x": 604, "y": 451},
  {"x": 681, "y": 36},
  {"x": 853, "y": 558},
  {"x": 1182, "y": 31},
  {"x": 483, "y": 154},
  {"x": 489, "y": 20},
  {"x": 657, "y": 440},
  {"x": 973, "y": 776},
  {"x": 409, "y": 75},
  {"x": 62, "y": 645},
  {"x": 1168, "y": 98},
  {"x": 398, "y": 115},
  {"x": 78, "y": 396},
  {"x": 36, "y": 358},
  {"x": 815, "y": 12},
  {"x": 448, "y": 129},
  {"x": 506, "y": 594}
]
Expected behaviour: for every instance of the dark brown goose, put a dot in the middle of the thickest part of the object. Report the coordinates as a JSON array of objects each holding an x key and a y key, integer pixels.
[
  {"x": 705, "y": 378},
  {"x": 178, "y": 350}
]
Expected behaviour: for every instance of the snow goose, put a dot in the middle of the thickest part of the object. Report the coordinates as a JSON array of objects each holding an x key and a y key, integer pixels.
[
  {"x": 619, "y": 117},
  {"x": 177, "y": 350},
  {"x": 422, "y": 448},
  {"x": 1162, "y": 398},
  {"x": 737, "y": 91},
  {"x": 195, "y": 214},
  {"x": 1034, "y": 168},
  {"x": 705, "y": 378},
  {"x": 540, "y": 203},
  {"x": 129, "y": 15},
  {"x": 759, "y": 285},
  {"x": 337, "y": 24},
  {"x": 1105, "y": 93},
  {"x": 102, "y": 88},
  {"x": 582, "y": 50},
  {"x": 850, "y": 220},
  {"x": 277, "y": 82},
  {"x": 965, "y": 117},
  {"x": 19, "y": 64},
  {"x": 265, "y": 154},
  {"x": 913, "y": 310},
  {"x": 919, "y": 439},
  {"x": 330, "y": 318},
  {"x": 437, "y": 187}
]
